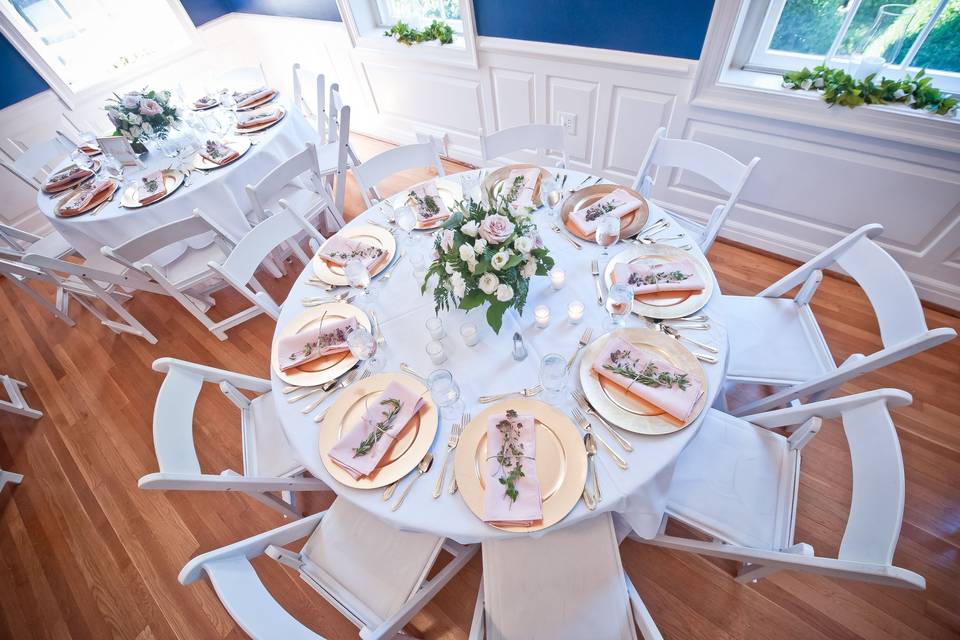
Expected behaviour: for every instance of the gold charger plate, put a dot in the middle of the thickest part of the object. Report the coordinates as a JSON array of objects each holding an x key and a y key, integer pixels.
[
  {"x": 495, "y": 180},
  {"x": 666, "y": 304},
  {"x": 405, "y": 453},
  {"x": 262, "y": 101},
  {"x": 265, "y": 125},
  {"x": 240, "y": 145},
  {"x": 367, "y": 233},
  {"x": 450, "y": 192},
  {"x": 328, "y": 367},
  {"x": 561, "y": 461},
  {"x": 93, "y": 204},
  {"x": 172, "y": 180},
  {"x": 625, "y": 410},
  {"x": 630, "y": 224}
]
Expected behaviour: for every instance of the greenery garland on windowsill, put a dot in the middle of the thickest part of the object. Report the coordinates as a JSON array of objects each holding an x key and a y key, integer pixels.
[
  {"x": 407, "y": 35},
  {"x": 839, "y": 87}
]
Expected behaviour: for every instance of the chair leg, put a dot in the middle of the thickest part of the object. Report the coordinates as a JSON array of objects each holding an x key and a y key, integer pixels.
[
  {"x": 477, "y": 630},
  {"x": 9, "y": 476}
]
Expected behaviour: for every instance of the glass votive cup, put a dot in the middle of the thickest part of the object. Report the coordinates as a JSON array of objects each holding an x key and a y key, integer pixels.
[
  {"x": 469, "y": 333},
  {"x": 541, "y": 316},
  {"x": 575, "y": 312},
  {"x": 435, "y": 328},
  {"x": 557, "y": 278},
  {"x": 435, "y": 351}
]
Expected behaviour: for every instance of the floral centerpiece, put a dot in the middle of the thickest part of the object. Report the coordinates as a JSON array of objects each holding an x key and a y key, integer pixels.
[
  {"x": 141, "y": 113},
  {"x": 486, "y": 254}
]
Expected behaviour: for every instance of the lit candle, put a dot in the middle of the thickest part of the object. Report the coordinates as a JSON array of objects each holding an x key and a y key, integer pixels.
[
  {"x": 435, "y": 327},
  {"x": 575, "y": 312},
  {"x": 541, "y": 316},
  {"x": 436, "y": 352},
  {"x": 557, "y": 277},
  {"x": 468, "y": 331}
]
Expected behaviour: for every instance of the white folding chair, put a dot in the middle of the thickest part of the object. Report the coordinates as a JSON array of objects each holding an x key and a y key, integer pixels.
[
  {"x": 9, "y": 476},
  {"x": 189, "y": 278},
  {"x": 392, "y": 161},
  {"x": 337, "y": 156},
  {"x": 78, "y": 125},
  {"x": 721, "y": 169},
  {"x": 776, "y": 341},
  {"x": 15, "y": 243},
  {"x": 737, "y": 481},
  {"x": 375, "y": 575},
  {"x": 280, "y": 229},
  {"x": 17, "y": 403},
  {"x": 268, "y": 463},
  {"x": 540, "y": 137},
  {"x": 567, "y": 585},
  {"x": 36, "y": 160},
  {"x": 241, "y": 79},
  {"x": 309, "y": 96}
]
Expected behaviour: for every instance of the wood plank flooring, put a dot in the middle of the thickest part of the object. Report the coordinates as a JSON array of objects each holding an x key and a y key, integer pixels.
[{"x": 85, "y": 554}]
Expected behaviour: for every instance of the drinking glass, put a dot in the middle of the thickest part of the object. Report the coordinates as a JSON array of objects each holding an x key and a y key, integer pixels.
[
  {"x": 420, "y": 264},
  {"x": 113, "y": 166},
  {"x": 619, "y": 305},
  {"x": 550, "y": 194},
  {"x": 386, "y": 208},
  {"x": 553, "y": 377},
  {"x": 80, "y": 159},
  {"x": 470, "y": 181},
  {"x": 608, "y": 232},
  {"x": 359, "y": 279},
  {"x": 407, "y": 220},
  {"x": 445, "y": 392},
  {"x": 363, "y": 345}
]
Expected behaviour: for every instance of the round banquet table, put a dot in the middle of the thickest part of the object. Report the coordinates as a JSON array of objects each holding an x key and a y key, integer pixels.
[
  {"x": 638, "y": 495},
  {"x": 219, "y": 193}
]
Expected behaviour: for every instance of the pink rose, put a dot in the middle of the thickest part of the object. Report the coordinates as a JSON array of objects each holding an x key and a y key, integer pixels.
[
  {"x": 131, "y": 100},
  {"x": 150, "y": 107},
  {"x": 496, "y": 229},
  {"x": 446, "y": 240}
]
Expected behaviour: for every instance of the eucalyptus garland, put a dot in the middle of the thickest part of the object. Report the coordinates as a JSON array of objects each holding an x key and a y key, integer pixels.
[
  {"x": 839, "y": 87},
  {"x": 405, "y": 34}
]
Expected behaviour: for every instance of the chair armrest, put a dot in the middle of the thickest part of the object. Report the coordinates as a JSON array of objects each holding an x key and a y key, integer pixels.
[{"x": 212, "y": 374}]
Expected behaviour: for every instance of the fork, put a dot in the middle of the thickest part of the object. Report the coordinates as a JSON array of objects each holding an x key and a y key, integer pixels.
[
  {"x": 451, "y": 445},
  {"x": 343, "y": 383},
  {"x": 585, "y": 405},
  {"x": 389, "y": 270},
  {"x": 529, "y": 392},
  {"x": 595, "y": 270},
  {"x": 672, "y": 331},
  {"x": 566, "y": 237},
  {"x": 584, "y": 341},
  {"x": 586, "y": 426}
]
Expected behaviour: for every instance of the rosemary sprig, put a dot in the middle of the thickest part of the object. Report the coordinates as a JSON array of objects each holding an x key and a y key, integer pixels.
[
  {"x": 601, "y": 209},
  {"x": 510, "y": 456},
  {"x": 659, "y": 276},
  {"x": 649, "y": 375},
  {"x": 515, "y": 189},
  {"x": 389, "y": 417},
  {"x": 427, "y": 205}
]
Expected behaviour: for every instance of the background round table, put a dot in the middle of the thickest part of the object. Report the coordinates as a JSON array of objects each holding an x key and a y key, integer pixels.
[{"x": 638, "y": 494}]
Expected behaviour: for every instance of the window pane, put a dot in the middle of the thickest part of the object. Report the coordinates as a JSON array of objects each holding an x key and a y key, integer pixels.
[
  {"x": 885, "y": 30},
  {"x": 941, "y": 49},
  {"x": 415, "y": 10},
  {"x": 808, "y": 26}
]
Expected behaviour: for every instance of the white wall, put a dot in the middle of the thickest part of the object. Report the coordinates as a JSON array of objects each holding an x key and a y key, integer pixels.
[{"x": 813, "y": 185}]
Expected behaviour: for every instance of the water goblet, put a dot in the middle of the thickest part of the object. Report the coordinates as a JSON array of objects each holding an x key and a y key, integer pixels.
[
  {"x": 553, "y": 377},
  {"x": 363, "y": 345},
  {"x": 608, "y": 232},
  {"x": 407, "y": 220},
  {"x": 550, "y": 194},
  {"x": 469, "y": 182},
  {"x": 445, "y": 392},
  {"x": 619, "y": 305},
  {"x": 359, "y": 279}
]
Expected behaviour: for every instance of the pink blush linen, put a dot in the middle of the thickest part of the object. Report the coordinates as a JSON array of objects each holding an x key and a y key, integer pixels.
[
  {"x": 619, "y": 202},
  {"x": 654, "y": 276},
  {"x": 306, "y": 346},
  {"x": 678, "y": 402},
  {"x": 339, "y": 251},
  {"x": 498, "y": 508},
  {"x": 529, "y": 186},
  {"x": 344, "y": 452},
  {"x": 151, "y": 188},
  {"x": 218, "y": 153},
  {"x": 248, "y": 98},
  {"x": 257, "y": 118},
  {"x": 425, "y": 215},
  {"x": 86, "y": 195}
]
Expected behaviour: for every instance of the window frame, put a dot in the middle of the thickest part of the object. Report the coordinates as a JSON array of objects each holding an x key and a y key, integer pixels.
[
  {"x": 388, "y": 18},
  {"x": 27, "y": 48}
]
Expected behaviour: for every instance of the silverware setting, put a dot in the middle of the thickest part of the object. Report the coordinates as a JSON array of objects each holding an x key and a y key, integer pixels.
[
  {"x": 317, "y": 282},
  {"x": 591, "y": 499},
  {"x": 408, "y": 369},
  {"x": 585, "y": 406},
  {"x": 451, "y": 445},
  {"x": 376, "y": 329},
  {"x": 595, "y": 270},
  {"x": 697, "y": 318},
  {"x": 529, "y": 392},
  {"x": 311, "y": 389},
  {"x": 586, "y": 426},
  {"x": 312, "y": 301},
  {"x": 658, "y": 224},
  {"x": 385, "y": 275},
  {"x": 584, "y": 341},
  {"x": 422, "y": 469},
  {"x": 341, "y": 385},
  {"x": 672, "y": 331},
  {"x": 557, "y": 229}
]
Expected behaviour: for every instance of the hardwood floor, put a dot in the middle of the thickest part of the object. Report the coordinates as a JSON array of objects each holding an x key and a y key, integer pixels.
[{"x": 85, "y": 554}]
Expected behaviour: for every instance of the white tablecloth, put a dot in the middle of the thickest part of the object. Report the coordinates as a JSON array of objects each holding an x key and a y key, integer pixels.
[
  {"x": 637, "y": 494},
  {"x": 219, "y": 194}
]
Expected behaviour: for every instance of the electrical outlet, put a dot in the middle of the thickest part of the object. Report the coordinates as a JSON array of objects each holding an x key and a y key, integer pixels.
[{"x": 569, "y": 122}]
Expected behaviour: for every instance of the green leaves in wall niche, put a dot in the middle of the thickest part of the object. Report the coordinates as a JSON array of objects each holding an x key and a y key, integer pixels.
[
  {"x": 839, "y": 87},
  {"x": 407, "y": 35}
]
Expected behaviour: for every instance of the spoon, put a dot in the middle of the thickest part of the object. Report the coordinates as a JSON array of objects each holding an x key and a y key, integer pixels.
[
  {"x": 422, "y": 468},
  {"x": 591, "y": 446}
]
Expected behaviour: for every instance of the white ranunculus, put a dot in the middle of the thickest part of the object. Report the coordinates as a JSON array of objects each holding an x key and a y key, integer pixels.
[
  {"x": 135, "y": 132},
  {"x": 488, "y": 283},
  {"x": 446, "y": 240},
  {"x": 504, "y": 293},
  {"x": 163, "y": 97},
  {"x": 523, "y": 244},
  {"x": 459, "y": 285},
  {"x": 806, "y": 84},
  {"x": 529, "y": 268},
  {"x": 131, "y": 100},
  {"x": 470, "y": 228},
  {"x": 466, "y": 253},
  {"x": 134, "y": 119},
  {"x": 499, "y": 260},
  {"x": 479, "y": 245}
]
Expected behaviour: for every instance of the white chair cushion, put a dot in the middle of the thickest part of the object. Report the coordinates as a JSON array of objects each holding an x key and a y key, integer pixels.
[
  {"x": 191, "y": 266},
  {"x": 51, "y": 246},
  {"x": 736, "y": 482},
  {"x": 266, "y": 451},
  {"x": 301, "y": 199},
  {"x": 772, "y": 339}
]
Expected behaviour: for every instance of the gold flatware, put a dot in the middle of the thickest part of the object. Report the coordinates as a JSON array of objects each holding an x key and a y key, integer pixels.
[
  {"x": 529, "y": 392},
  {"x": 581, "y": 419},
  {"x": 388, "y": 492},
  {"x": 585, "y": 405},
  {"x": 566, "y": 237},
  {"x": 451, "y": 445},
  {"x": 584, "y": 341},
  {"x": 326, "y": 386},
  {"x": 672, "y": 331},
  {"x": 595, "y": 270},
  {"x": 348, "y": 379},
  {"x": 422, "y": 468},
  {"x": 591, "y": 446}
]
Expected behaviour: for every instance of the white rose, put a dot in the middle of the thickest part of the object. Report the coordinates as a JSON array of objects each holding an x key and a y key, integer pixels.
[
  {"x": 446, "y": 240},
  {"x": 488, "y": 283},
  {"x": 131, "y": 100},
  {"x": 504, "y": 293},
  {"x": 479, "y": 245},
  {"x": 147, "y": 128},
  {"x": 459, "y": 285},
  {"x": 448, "y": 269},
  {"x": 470, "y": 228},
  {"x": 529, "y": 268},
  {"x": 466, "y": 253},
  {"x": 806, "y": 84},
  {"x": 523, "y": 244},
  {"x": 135, "y": 132},
  {"x": 499, "y": 260},
  {"x": 134, "y": 119}
]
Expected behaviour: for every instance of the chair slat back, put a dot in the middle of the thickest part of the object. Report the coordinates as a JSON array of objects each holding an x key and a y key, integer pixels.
[
  {"x": 173, "y": 422},
  {"x": 88, "y": 274},
  {"x": 394, "y": 160},
  {"x": 334, "y": 131},
  {"x": 718, "y": 167},
  {"x": 16, "y": 239},
  {"x": 138, "y": 248},
  {"x": 281, "y": 175},
  {"x": 541, "y": 137},
  {"x": 309, "y": 96},
  {"x": 40, "y": 157},
  {"x": 10, "y": 266},
  {"x": 254, "y": 247}
]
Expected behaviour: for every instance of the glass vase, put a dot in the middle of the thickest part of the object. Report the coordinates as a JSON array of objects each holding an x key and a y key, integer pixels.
[{"x": 880, "y": 45}]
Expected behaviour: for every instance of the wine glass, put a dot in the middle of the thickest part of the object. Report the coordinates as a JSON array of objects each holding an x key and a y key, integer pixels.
[
  {"x": 445, "y": 392},
  {"x": 386, "y": 208},
  {"x": 550, "y": 194},
  {"x": 363, "y": 345},
  {"x": 359, "y": 278},
  {"x": 619, "y": 305},
  {"x": 553, "y": 377},
  {"x": 407, "y": 220},
  {"x": 608, "y": 232}
]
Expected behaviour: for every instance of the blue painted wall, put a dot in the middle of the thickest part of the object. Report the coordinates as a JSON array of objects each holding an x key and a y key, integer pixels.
[
  {"x": 663, "y": 27},
  {"x": 201, "y": 11},
  {"x": 315, "y": 9},
  {"x": 19, "y": 79}
]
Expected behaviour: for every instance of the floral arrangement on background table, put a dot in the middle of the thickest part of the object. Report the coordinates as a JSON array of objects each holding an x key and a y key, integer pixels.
[
  {"x": 139, "y": 114},
  {"x": 486, "y": 254}
]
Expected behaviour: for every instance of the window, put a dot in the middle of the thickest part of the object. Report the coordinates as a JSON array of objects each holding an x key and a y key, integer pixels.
[
  {"x": 860, "y": 36},
  {"x": 76, "y": 44},
  {"x": 420, "y": 12}
]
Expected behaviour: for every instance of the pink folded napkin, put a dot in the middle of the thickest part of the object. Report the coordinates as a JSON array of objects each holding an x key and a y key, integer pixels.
[
  {"x": 511, "y": 498},
  {"x": 151, "y": 188},
  {"x": 429, "y": 207},
  {"x": 649, "y": 378},
  {"x": 303, "y": 347},
  {"x": 524, "y": 189},
  {"x": 86, "y": 195},
  {"x": 651, "y": 276},
  {"x": 338, "y": 250},
  {"x": 218, "y": 152},
  {"x": 67, "y": 175},
  {"x": 257, "y": 118},
  {"x": 90, "y": 149},
  {"x": 616, "y": 203},
  {"x": 362, "y": 448},
  {"x": 204, "y": 102},
  {"x": 247, "y": 98}
]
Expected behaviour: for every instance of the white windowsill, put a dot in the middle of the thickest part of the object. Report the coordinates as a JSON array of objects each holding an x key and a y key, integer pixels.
[{"x": 454, "y": 53}]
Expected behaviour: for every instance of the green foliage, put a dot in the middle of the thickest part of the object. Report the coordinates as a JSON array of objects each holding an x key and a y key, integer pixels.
[
  {"x": 407, "y": 35},
  {"x": 841, "y": 88}
]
